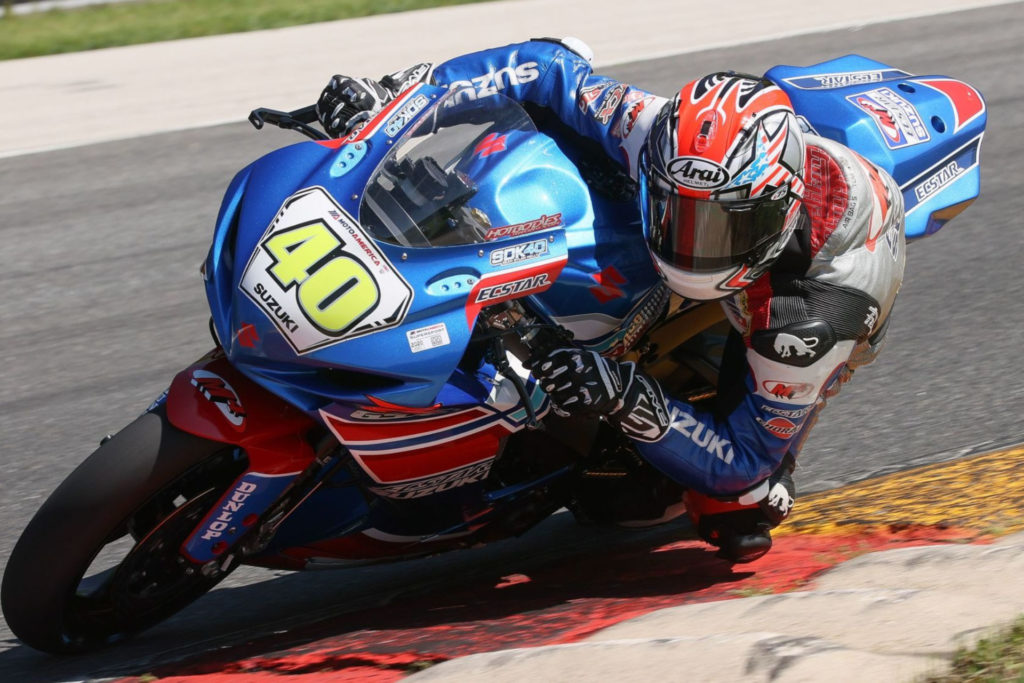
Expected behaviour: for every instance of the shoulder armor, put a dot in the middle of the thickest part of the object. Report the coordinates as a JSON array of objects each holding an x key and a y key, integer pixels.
[{"x": 799, "y": 344}]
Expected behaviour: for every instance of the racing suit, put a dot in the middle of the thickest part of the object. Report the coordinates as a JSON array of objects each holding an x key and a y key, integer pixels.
[{"x": 800, "y": 329}]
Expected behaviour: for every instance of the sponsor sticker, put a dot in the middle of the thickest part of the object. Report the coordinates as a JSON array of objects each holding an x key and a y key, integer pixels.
[
  {"x": 320, "y": 279},
  {"x": 610, "y": 104},
  {"x": 543, "y": 223},
  {"x": 493, "y": 82},
  {"x": 941, "y": 175},
  {"x": 697, "y": 173},
  {"x": 896, "y": 118},
  {"x": 702, "y": 435},
  {"x": 778, "y": 426},
  {"x": 517, "y": 253},
  {"x": 944, "y": 176},
  {"x": 788, "y": 391},
  {"x": 405, "y": 115},
  {"x": 429, "y": 337},
  {"x": 511, "y": 289},
  {"x": 225, "y": 517},
  {"x": 629, "y": 118},
  {"x": 844, "y": 79},
  {"x": 589, "y": 94},
  {"x": 792, "y": 413},
  {"x": 221, "y": 394},
  {"x": 431, "y": 485}
]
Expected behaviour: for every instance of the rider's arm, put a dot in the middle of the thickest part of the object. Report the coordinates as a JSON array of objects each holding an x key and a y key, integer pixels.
[
  {"x": 557, "y": 75},
  {"x": 732, "y": 454}
]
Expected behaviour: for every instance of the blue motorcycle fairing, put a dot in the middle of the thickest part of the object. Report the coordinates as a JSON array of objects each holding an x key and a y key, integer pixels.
[
  {"x": 608, "y": 277},
  {"x": 526, "y": 180},
  {"x": 925, "y": 131}
]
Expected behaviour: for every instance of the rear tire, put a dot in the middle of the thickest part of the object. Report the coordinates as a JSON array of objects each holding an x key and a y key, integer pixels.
[{"x": 136, "y": 498}]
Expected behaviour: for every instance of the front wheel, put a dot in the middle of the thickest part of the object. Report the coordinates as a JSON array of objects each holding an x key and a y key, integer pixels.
[{"x": 101, "y": 559}]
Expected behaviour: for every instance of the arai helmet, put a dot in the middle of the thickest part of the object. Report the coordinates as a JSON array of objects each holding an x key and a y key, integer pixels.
[{"x": 721, "y": 183}]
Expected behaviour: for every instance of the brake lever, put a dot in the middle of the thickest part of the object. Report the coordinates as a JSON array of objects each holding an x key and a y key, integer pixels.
[{"x": 288, "y": 120}]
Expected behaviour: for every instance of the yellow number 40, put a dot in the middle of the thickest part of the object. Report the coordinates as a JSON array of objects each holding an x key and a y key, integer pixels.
[{"x": 335, "y": 291}]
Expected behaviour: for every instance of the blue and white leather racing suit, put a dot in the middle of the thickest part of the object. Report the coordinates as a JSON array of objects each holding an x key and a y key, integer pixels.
[{"x": 819, "y": 312}]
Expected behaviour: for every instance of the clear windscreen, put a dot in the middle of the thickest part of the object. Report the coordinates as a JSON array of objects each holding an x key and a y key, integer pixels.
[{"x": 421, "y": 194}]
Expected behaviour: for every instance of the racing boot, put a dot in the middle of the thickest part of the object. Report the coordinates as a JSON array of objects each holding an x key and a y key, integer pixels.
[{"x": 741, "y": 527}]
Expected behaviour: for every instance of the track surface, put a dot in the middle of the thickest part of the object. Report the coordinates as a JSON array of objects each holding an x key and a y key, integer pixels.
[{"x": 103, "y": 304}]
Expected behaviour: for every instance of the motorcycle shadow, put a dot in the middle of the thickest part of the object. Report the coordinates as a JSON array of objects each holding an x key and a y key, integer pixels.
[{"x": 559, "y": 583}]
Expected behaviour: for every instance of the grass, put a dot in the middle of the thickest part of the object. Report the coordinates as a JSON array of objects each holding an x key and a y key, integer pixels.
[
  {"x": 998, "y": 658},
  {"x": 130, "y": 23}
]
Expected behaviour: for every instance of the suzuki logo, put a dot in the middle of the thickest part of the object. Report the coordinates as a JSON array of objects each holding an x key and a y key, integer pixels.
[
  {"x": 697, "y": 173},
  {"x": 491, "y": 144},
  {"x": 702, "y": 436},
  {"x": 247, "y": 336},
  {"x": 608, "y": 281},
  {"x": 221, "y": 394}
]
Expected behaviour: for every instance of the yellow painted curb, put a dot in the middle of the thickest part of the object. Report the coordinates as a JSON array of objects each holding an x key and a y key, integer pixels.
[{"x": 981, "y": 495}]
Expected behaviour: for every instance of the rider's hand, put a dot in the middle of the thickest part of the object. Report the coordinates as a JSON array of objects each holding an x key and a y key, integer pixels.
[
  {"x": 583, "y": 382},
  {"x": 347, "y": 102}
]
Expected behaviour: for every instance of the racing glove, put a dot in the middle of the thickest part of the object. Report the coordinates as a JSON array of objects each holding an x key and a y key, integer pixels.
[
  {"x": 347, "y": 102},
  {"x": 583, "y": 382}
]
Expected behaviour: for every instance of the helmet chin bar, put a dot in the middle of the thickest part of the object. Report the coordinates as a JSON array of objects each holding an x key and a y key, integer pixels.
[{"x": 698, "y": 286}]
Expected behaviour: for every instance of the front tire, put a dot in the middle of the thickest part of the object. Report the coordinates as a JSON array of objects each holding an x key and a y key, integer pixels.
[{"x": 100, "y": 560}]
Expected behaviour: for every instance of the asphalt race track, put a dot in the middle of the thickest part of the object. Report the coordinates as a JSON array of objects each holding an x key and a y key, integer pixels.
[{"x": 102, "y": 246}]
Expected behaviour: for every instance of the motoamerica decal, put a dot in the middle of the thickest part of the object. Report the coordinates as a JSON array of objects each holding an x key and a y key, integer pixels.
[{"x": 320, "y": 279}]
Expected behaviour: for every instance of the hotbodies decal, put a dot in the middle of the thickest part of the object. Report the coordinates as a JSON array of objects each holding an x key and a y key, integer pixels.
[{"x": 320, "y": 279}]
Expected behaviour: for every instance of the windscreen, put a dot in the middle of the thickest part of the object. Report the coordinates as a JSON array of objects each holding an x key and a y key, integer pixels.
[{"x": 422, "y": 193}]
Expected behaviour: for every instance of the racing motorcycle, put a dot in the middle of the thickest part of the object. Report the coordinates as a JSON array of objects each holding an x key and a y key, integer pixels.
[{"x": 375, "y": 301}]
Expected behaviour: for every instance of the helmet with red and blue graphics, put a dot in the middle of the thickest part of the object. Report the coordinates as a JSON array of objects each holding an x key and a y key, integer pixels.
[{"x": 721, "y": 184}]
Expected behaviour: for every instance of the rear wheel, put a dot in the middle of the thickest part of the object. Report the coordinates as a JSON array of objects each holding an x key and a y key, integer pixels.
[{"x": 101, "y": 559}]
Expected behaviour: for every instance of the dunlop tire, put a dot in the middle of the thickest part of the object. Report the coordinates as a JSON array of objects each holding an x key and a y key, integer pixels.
[{"x": 89, "y": 507}]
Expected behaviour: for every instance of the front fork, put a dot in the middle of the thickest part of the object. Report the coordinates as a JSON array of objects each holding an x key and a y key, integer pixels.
[{"x": 288, "y": 453}]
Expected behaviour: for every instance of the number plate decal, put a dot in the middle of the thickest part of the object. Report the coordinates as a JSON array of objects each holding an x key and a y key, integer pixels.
[{"x": 320, "y": 278}]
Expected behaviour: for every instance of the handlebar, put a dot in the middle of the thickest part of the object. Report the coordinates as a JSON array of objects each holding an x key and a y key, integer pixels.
[{"x": 289, "y": 120}]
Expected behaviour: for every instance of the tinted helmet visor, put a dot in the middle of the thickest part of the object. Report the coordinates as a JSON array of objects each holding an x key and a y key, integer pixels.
[{"x": 702, "y": 235}]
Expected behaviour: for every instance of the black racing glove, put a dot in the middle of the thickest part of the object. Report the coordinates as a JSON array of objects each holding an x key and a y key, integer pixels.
[
  {"x": 347, "y": 102},
  {"x": 583, "y": 382}
]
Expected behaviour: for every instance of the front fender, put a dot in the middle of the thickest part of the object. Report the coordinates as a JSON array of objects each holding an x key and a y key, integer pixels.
[{"x": 213, "y": 400}]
